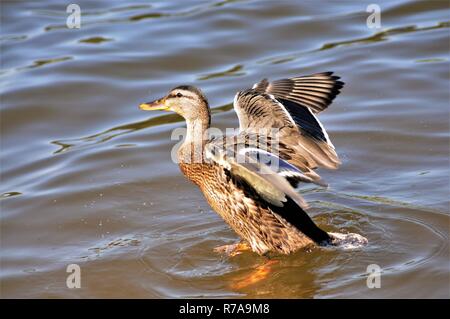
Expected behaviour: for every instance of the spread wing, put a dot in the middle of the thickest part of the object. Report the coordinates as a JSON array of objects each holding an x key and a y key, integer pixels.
[
  {"x": 315, "y": 91},
  {"x": 289, "y": 107}
]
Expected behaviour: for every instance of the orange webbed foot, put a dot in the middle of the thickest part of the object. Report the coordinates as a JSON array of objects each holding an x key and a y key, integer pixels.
[{"x": 233, "y": 250}]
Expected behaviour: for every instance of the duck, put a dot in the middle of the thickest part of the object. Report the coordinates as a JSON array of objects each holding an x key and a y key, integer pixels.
[{"x": 251, "y": 178}]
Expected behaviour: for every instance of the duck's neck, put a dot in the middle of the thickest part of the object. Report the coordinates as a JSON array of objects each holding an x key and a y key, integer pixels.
[
  {"x": 192, "y": 149},
  {"x": 196, "y": 130}
]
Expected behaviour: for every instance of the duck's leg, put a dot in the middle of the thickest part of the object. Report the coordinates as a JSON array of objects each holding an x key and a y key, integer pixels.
[{"x": 234, "y": 249}]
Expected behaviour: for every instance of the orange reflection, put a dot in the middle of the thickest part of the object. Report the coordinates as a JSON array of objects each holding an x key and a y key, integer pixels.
[{"x": 260, "y": 273}]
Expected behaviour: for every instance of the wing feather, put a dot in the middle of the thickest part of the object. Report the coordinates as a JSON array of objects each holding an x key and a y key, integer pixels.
[
  {"x": 290, "y": 106},
  {"x": 272, "y": 188},
  {"x": 314, "y": 91},
  {"x": 268, "y": 183}
]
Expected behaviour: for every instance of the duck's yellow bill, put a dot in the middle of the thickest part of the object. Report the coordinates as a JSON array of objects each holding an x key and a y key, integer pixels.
[{"x": 155, "y": 105}]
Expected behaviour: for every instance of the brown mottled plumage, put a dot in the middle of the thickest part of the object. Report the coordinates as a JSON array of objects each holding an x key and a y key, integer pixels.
[{"x": 277, "y": 122}]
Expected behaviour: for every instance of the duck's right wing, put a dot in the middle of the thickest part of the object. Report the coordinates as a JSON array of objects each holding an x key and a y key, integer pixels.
[
  {"x": 288, "y": 106},
  {"x": 315, "y": 92}
]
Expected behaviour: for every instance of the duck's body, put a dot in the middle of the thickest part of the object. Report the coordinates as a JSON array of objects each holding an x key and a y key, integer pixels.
[
  {"x": 254, "y": 222},
  {"x": 256, "y": 199}
]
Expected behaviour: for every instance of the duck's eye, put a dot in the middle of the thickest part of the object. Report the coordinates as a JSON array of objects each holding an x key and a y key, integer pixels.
[{"x": 179, "y": 94}]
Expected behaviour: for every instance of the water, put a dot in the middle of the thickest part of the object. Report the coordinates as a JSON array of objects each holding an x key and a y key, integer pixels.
[{"x": 87, "y": 177}]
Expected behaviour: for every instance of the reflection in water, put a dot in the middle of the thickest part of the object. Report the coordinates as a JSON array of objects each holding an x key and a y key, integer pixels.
[
  {"x": 95, "y": 40},
  {"x": 431, "y": 60},
  {"x": 9, "y": 194},
  {"x": 39, "y": 63},
  {"x": 384, "y": 35},
  {"x": 234, "y": 71},
  {"x": 258, "y": 274},
  {"x": 144, "y": 16},
  {"x": 269, "y": 277},
  {"x": 147, "y": 16},
  {"x": 5, "y": 38}
]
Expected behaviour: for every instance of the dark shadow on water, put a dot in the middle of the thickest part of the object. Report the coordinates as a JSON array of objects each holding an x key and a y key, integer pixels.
[
  {"x": 95, "y": 40},
  {"x": 9, "y": 194},
  {"x": 377, "y": 37},
  {"x": 143, "y": 16},
  {"x": 39, "y": 63},
  {"x": 233, "y": 71}
]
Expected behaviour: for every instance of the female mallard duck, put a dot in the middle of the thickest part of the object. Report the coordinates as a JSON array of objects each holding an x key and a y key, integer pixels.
[{"x": 249, "y": 178}]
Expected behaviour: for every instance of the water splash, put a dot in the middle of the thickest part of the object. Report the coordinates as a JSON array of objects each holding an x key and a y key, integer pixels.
[{"x": 349, "y": 241}]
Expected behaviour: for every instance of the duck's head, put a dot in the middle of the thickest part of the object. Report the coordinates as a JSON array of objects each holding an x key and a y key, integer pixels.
[{"x": 188, "y": 101}]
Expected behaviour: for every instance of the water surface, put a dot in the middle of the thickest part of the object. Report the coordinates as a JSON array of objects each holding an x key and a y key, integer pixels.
[{"x": 87, "y": 178}]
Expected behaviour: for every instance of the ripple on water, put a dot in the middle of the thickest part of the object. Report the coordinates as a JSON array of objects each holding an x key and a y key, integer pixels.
[{"x": 88, "y": 179}]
